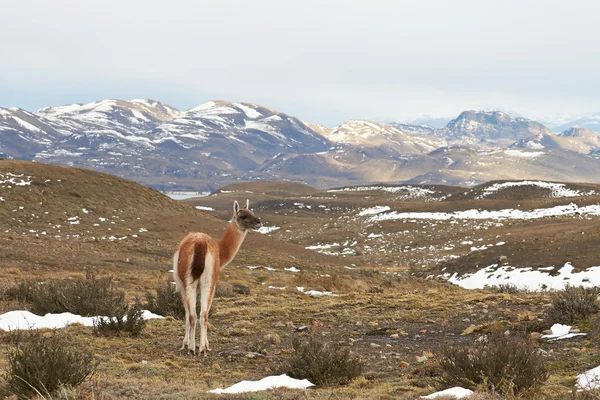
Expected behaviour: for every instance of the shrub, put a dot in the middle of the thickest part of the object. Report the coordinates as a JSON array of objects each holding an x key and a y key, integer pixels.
[
  {"x": 574, "y": 304},
  {"x": 42, "y": 363},
  {"x": 509, "y": 288},
  {"x": 87, "y": 297},
  {"x": 506, "y": 364},
  {"x": 322, "y": 363},
  {"x": 165, "y": 302},
  {"x": 132, "y": 323}
]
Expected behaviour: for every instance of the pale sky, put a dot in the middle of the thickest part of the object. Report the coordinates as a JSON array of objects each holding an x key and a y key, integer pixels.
[{"x": 322, "y": 61}]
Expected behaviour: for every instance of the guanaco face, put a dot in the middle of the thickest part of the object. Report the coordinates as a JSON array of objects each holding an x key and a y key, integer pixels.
[{"x": 245, "y": 219}]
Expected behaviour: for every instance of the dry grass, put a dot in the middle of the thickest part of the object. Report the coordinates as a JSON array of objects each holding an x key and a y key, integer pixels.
[{"x": 508, "y": 365}]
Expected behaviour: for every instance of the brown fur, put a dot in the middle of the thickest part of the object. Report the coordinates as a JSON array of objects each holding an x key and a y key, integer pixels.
[{"x": 193, "y": 250}]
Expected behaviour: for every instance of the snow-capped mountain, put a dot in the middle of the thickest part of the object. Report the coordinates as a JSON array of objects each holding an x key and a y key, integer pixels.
[
  {"x": 366, "y": 134},
  {"x": 490, "y": 129},
  {"x": 220, "y": 142}
]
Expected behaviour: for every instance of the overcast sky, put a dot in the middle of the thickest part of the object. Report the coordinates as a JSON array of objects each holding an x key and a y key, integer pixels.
[{"x": 323, "y": 61}]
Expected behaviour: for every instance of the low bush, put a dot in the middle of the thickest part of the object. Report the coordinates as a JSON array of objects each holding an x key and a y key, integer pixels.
[
  {"x": 572, "y": 305},
  {"x": 322, "y": 363},
  {"x": 507, "y": 365},
  {"x": 509, "y": 288},
  {"x": 41, "y": 363},
  {"x": 87, "y": 297},
  {"x": 165, "y": 302},
  {"x": 132, "y": 323}
]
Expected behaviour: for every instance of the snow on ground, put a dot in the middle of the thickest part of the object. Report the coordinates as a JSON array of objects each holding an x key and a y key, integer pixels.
[
  {"x": 557, "y": 211},
  {"x": 527, "y": 278},
  {"x": 411, "y": 191},
  {"x": 458, "y": 393},
  {"x": 557, "y": 189},
  {"x": 560, "y": 331},
  {"x": 589, "y": 380},
  {"x": 18, "y": 320},
  {"x": 204, "y": 208},
  {"x": 374, "y": 210},
  {"x": 315, "y": 292},
  {"x": 270, "y": 382},
  {"x": 266, "y": 229}
]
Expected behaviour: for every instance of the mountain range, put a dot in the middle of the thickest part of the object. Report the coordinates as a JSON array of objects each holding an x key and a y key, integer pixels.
[{"x": 221, "y": 142}]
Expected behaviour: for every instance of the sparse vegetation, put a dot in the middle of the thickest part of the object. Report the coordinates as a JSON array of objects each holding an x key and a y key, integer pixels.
[
  {"x": 508, "y": 365},
  {"x": 572, "y": 305},
  {"x": 42, "y": 363},
  {"x": 132, "y": 323},
  {"x": 87, "y": 297},
  {"x": 322, "y": 363},
  {"x": 165, "y": 302},
  {"x": 509, "y": 288}
]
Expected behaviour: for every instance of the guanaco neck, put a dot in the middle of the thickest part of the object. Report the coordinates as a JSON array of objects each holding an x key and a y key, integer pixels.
[{"x": 230, "y": 243}]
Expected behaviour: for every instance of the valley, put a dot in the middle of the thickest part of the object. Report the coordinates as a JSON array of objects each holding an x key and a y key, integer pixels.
[{"x": 375, "y": 264}]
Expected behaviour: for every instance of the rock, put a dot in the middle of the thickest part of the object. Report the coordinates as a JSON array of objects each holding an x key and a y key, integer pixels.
[
  {"x": 420, "y": 359},
  {"x": 446, "y": 323},
  {"x": 273, "y": 338},
  {"x": 574, "y": 330},
  {"x": 535, "y": 335},
  {"x": 216, "y": 367},
  {"x": 402, "y": 333},
  {"x": 144, "y": 362},
  {"x": 431, "y": 321},
  {"x": 373, "y": 323},
  {"x": 427, "y": 354},
  {"x": 507, "y": 332},
  {"x": 471, "y": 329},
  {"x": 374, "y": 345},
  {"x": 423, "y": 331},
  {"x": 303, "y": 328},
  {"x": 358, "y": 323},
  {"x": 254, "y": 354},
  {"x": 279, "y": 325},
  {"x": 404, "y": 364},
  {"x": 241, "y": 289},
  {"x": 394, "y": 336},
  {"x": 547, "y": 332}
]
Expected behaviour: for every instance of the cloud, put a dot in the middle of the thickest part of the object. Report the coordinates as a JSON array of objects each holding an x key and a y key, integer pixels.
[{"x": 323, "y": 61}]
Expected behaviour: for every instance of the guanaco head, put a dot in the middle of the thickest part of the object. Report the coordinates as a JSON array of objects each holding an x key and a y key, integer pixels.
[{"x": 244, "y": 218}]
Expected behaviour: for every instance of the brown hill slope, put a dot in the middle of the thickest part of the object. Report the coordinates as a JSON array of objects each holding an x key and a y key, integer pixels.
[{"x": 88, "y": 220}]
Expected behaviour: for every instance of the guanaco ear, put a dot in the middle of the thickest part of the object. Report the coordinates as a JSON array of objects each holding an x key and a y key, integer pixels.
[
  {"x": 247, "y": 204},
  {"x": 236, "y": 207}
]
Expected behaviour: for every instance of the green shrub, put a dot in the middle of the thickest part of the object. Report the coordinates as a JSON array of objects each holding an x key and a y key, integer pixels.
[
  {"x": 132, "y": 323},
  {"x": 322, "y": 363},
  {"x": 574, "y": 304},
  {"x": 506, "y": 364},
  {"x": 42, "y": 363}
]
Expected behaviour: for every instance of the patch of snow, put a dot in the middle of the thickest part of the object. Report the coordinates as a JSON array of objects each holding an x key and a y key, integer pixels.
[
  {"x": 315, "y": 292},
  {"x": 23, "y": 320},
  {"x": 557, "y": 189},
  {"x": 374, "y": 210},
  {"x": 458, "y": 393},
  {"x": 589, "y": 380},
  {"x": 204, "y": 208},
  {"x": 560, "y": 331},
  {"x": 523, "y": 154},
  {"x": 266, "y": 229},
  {"x": 527, "y": 278},
  {"x": 557, "y": 211},
  {"x": 270, "y": 382},
  {"x": 292, "y": 269}
]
